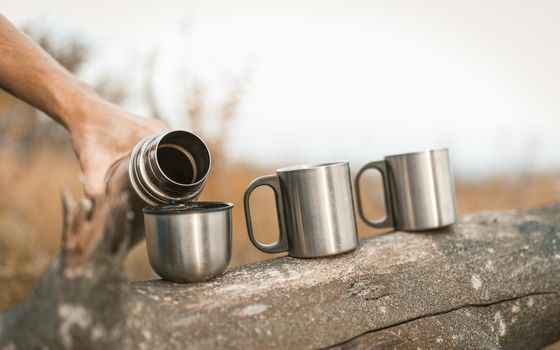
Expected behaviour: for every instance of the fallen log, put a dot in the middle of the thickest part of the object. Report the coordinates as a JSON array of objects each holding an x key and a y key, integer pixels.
[{"x": 491, "y": 281}]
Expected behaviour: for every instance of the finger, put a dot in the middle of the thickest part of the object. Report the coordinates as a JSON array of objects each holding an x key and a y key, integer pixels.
[
  {"x": 156, "y": 125},
  {"x": 94, "y": 183}
]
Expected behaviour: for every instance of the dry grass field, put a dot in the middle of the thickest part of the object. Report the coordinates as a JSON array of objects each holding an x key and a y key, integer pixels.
[{"x": 31, "y": 213}]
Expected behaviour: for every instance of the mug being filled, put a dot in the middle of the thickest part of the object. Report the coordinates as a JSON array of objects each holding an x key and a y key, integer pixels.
[
  {"x": 315, "y": 210},
  {"x": 419, "y": 191},
  {"x": 189, "y": 242}
]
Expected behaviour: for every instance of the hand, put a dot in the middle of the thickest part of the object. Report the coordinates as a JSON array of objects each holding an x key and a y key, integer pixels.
[
  {"x": 104, "y": 134},
  {"x": 101, "y": 132}
]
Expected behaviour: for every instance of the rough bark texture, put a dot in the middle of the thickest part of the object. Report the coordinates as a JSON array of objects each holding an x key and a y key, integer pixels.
[{"x": 491, "y": 281}]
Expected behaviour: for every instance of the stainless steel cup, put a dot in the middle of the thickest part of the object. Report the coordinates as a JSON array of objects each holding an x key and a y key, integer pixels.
[
  {"x": 419, "y": 191},
  {"x": 314, "y": 207},
  {"x": 189, "y": 242}
]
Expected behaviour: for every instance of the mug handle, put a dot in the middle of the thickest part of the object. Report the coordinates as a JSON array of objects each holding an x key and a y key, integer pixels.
[
  {"x": 282, "y": 244},
  {"x": 388, "y": 220}
]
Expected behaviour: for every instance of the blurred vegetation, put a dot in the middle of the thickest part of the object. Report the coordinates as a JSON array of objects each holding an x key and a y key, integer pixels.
[{"x": 37, "y": 162}]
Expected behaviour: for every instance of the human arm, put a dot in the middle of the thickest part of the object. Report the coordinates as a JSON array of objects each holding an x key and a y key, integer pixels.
[{"x": 101, "y": 132}]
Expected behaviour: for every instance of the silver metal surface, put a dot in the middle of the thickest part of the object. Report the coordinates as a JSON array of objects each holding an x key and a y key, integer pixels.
[
  {"x": 189, "y": 242},
  {"x": 315, "y": 210},
  {"x": 419, "y": 191},
  {"x": 170, "y": 167}
]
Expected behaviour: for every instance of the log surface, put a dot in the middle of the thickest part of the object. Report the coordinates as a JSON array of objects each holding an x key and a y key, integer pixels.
[{"x": 492, "y": 281}]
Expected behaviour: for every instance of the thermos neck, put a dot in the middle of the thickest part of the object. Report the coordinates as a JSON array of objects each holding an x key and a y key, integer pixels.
[{"x": 170, "y": 167}]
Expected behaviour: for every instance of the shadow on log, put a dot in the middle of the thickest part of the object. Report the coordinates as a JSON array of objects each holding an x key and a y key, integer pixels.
[{"x": 492, "y": 281}]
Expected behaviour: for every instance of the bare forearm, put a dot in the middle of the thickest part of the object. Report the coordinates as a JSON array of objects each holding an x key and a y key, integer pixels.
[
  {"x": 101, "y": 132},
  {"x": 29, "y": 73}
]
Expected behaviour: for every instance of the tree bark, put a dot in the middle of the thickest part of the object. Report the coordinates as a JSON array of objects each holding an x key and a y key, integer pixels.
[{"x": 491, "y": 281}]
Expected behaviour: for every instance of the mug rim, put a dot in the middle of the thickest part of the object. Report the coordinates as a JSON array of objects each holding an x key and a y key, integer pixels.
[
  {"x": 313, "y": 166},
  {"x": 429, "y": 150},
  {"x": 187, "y": 208}
]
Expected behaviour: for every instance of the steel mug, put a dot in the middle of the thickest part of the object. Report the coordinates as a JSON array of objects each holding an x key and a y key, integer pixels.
[
  {"x": 189, "y": 242},
  {"x": 419, "y": 191},
  {"x": 315, "y": 210}
]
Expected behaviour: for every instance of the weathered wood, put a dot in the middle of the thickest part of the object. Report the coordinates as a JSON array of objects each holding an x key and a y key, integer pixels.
[
  {"x": 491, "y": 281},
  {"x": 81, "y": 297}
]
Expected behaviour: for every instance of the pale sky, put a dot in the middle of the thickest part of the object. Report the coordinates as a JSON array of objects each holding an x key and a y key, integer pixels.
[{"x": 345, "y": 79}]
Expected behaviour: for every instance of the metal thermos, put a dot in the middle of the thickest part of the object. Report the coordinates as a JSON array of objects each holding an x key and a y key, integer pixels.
[{"x": 162, "y": 169}]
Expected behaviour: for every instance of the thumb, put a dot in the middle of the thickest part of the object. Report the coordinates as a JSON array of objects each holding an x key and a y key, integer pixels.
[{"x": 93, "y": 182}]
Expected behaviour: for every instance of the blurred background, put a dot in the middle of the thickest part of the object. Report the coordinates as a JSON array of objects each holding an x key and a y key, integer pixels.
[{"x": 271, "y": 84}]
